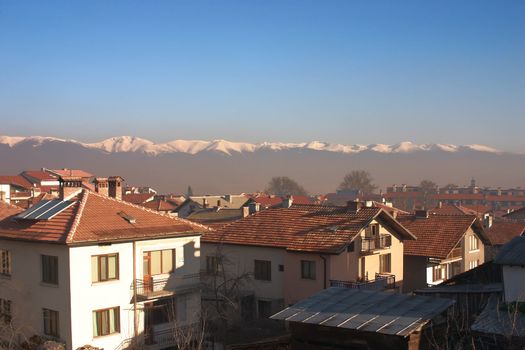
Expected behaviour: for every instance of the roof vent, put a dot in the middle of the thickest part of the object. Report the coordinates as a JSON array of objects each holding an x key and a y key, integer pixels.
[{"x": 127, "y": 217}]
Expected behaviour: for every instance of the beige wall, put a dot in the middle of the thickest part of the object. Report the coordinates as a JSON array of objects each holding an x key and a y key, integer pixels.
[
  {"x": 472, "y": 255},
  {"x": 297, "y": 288}
]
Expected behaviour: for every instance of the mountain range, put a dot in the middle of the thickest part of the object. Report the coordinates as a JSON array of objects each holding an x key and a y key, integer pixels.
[{"x": 222, "y": 166}]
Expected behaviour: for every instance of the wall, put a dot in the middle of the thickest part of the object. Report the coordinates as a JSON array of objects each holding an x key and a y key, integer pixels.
[
  {"x": 514, "y": 283},
  {"x": 29, "y": 295},
  {"x": 469, "y": 255},
  {"x": 87, "y": 296},
  {"x": 297, "y": 288},
  {"x": 6, "y": 189},
  {"x": 415, "y": 273}
]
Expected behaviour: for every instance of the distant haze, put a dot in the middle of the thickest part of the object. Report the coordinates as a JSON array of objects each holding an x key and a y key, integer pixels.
[{"x": 229, "y": 167}]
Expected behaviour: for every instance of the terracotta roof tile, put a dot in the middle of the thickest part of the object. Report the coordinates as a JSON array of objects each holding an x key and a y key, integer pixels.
[
  {"x": 16, "y": 180},
  {"x": 159, "y": 205},
  {"x": 96, "y": 218},
  {"x": 502, "y": 232},
  {"x": 518, "y": 214},
  {"x": 311, "y": 228},
  {"x": 137, "y": 198},
  {"x": 437, "y": 235},
  {"x": 39, "y": 175}
]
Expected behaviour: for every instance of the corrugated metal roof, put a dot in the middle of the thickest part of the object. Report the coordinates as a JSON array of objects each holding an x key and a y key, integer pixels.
[
  {"x": 365, "y": 310},
  {"x": 463, "y": 288},
  {"x": 496, "y": 320},
  {"x": 512, "y": 253}
]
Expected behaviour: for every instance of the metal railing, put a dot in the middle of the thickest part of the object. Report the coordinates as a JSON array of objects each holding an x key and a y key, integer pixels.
[
  {"x": 156, "y": 287},
  {"x": 369, "y": 244},
  {"x": 381, "y": 282}
]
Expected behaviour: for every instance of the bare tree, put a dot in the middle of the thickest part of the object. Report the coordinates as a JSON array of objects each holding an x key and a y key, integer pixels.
[
  {"x": 360, "y": 180},
  {"x": 284, "y": 186},
  {"x": 428, "y": 189}
]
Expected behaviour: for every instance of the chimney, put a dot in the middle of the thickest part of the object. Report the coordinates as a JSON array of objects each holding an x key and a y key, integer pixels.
[
  {"x": 254, "y": 207},
  {"x": 115, "y": 187},
  {"x": 440, "y": 204},
  {"x": 487, "y": 220},
  {"x": 354, "y": 206},
  {"x": 70, "y": 186},
  {"x": 287, "y": 202},
  {"x": 101, "y": 186},
  {"x": 245, "y": 211},
  {"x": 204, "y": 203},
  {"x": 421, "y": 213}
]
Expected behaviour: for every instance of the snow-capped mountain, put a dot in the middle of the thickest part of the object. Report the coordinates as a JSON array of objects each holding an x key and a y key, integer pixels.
[{"x": 123, "y": 144}]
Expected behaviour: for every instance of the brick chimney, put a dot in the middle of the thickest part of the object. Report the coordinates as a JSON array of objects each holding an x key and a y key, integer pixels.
[
  {"x": 101, "y": 186},
  {"x": 69, "y": 186},
  {"x": 115, "y": 187}
]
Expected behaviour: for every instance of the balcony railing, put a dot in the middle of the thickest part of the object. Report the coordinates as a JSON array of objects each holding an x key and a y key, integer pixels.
[
  {"x": 369, "y": 244},
  {"x": 381, "y": 282},
  {"x": 159, "y": 287}
]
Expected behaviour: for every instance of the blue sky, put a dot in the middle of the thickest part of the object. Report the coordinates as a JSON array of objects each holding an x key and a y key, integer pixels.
[{"x": 337, "y": 71}]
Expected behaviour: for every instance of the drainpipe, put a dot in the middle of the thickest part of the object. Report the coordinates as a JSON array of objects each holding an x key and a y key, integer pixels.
[
  {"x": 324, "y": 271},
  {"x": 135, "y": 319}
]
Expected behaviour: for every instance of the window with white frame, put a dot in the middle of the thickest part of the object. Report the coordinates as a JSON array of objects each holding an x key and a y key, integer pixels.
[{"x": 473, "y": 243}]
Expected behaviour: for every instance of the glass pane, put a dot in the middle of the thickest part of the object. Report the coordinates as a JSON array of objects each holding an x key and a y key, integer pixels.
[
  {"x": 104, "y": 321},
  {"x": 112, "y": 267},
  {"x": 94, "y": 269},
  {"x": 95, "y": 328},
  {"x": 103, "y": 268},
  {"x": 167, "y": 261},
  {"x": 155, "y": 262},
  {"x": 112, "y": 321}
]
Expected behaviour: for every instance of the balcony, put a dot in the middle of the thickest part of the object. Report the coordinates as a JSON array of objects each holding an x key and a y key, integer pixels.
[
  {"x": 371, "y": 244},
  {"x": 167, "y": 286},
  {"x": 381, "y": 282}
]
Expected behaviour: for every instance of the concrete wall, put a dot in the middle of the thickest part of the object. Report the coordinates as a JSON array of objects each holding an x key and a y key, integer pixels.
[
  {"x": 415, "y": 273},
  {"x": 87, "y": 296},
  {"x": 29, "y": 295},
  {"x": 514, "y": 283},
  {"x": 297, "y": 288}
]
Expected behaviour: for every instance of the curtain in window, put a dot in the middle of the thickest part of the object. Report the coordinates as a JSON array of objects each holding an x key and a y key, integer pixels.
[
  {"x": 156, "y": 262},
  {"x": 112, "y": 266},
  {"x": 94, "y": 269},
  {"x": 167, "y": 261}
]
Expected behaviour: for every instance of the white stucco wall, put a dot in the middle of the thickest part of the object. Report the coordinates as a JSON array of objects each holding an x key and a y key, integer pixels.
[
  {"x": 6, "y": 189},
  {"x": 27, "y": 292},
  {"x": 514, "y": 283}
]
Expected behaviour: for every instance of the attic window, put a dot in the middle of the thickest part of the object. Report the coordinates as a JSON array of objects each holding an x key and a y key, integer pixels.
[{"x": 127, "y": 217}]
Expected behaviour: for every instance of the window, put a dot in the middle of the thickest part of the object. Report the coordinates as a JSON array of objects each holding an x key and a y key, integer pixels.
[
  {"x": 51, "y": 322},
  {"x": 5, "y": 262},
  {"x": 385, "y": 263},
  {"x": 5, "y": 311},
  {"x": 308, "y": 269},
  {"x": 104, "y": 267},
  {"x": 374, "y": 229},
  {"x": 262, "y": 270},
  {"x": 50, "y": 269},
  {"x": 474, "y": 243},
  {"x": 438, "y": 273},
  {"x": 106, "y": 321},
  {"x": 281, "y": 268},
  {"x": 212, "y": 265},
  {"x": 160, "y": 312},
  {"x": 473, "y": 264},
  {"x": 159, "y": 262}
]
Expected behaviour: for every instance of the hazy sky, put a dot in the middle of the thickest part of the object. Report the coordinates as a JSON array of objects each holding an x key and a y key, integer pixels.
[{"x": 336, "y": 71}]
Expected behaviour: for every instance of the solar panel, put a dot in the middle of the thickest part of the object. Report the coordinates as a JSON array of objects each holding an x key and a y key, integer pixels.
[
  {"x": 29, "y": 211},
  {"x": 56, "y": 210},
  {"x": 45, "y": 210}
]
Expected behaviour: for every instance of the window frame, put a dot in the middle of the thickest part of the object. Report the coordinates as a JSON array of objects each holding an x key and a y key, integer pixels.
[
  {"x": 388, "y": 263},
  {"x": 308, "y": 270},
  {"x": 5, "y": 262},
  {"x": 473, "y": 241},
  {"x": 262, "y": 270},
  {"x": 212, "y": 265},
  {"x": 6, "y": 311},
  {"x": 99, "y": 325},
  {"x": 51, "y": 324},
  {"x": 99, "y": 270},
  {"x": 173, "y": 260},
  {"x": 49, "y": 276}
]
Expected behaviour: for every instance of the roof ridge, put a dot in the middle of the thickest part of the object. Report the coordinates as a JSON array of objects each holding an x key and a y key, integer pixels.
[
  {"x": 175, "y": 218},
  {"x": 78, "y": 215}
]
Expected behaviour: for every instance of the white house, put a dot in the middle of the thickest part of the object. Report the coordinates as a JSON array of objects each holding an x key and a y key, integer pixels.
[{"x": 90, "y": 269}]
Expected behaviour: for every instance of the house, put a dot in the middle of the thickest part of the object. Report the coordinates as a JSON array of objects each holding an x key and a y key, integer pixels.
[
  {"x": 446, "y": 245},
  {"x": 88, "y": 268},
  {"x": 45, "y": 181},
  {"x": 293, "y": 252},
  {"x": 159, "y": 205},
  {"x": 501, "y": 325},
  {"x": 195, "y": 203},
  {"x": 17, "y": 190},
  {"x": 500, "y": 233},
  {"x": 518, "y": 214},
  {"x": 138, "y": 198},
  {"x": 343, "y": 318},
  {"x": 218, "y": 217}
]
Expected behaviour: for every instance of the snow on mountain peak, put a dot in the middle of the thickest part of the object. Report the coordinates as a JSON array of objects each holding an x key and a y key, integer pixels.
[{"x": 137, "y": 144}]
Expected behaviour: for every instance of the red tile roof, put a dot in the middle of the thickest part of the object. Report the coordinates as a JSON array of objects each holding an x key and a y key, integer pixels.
[
  {"x": 311, "y": 228},
  {"x": 505, "y": 198},
  {"x": 137, "y": 198},
  {"x": 72, "y": 172},
  {"x": 95, "y": 218},
  {"x": 502, "y": 232},
  {"x": 437, "y": 235},
  {"x": 518, "y": 214},
  {"x": 16, "y": 180},
  {"x": 39, "y": 175},
  {"x": 159, "y": 205},
  {"x": 453, "y": 209},
  {"x": 458, "y": 196}
]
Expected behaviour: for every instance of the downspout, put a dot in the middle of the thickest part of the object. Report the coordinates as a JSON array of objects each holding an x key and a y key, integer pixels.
[
  {"x": 324, "y": 271},
  {"x": 135, "y": 318}
]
